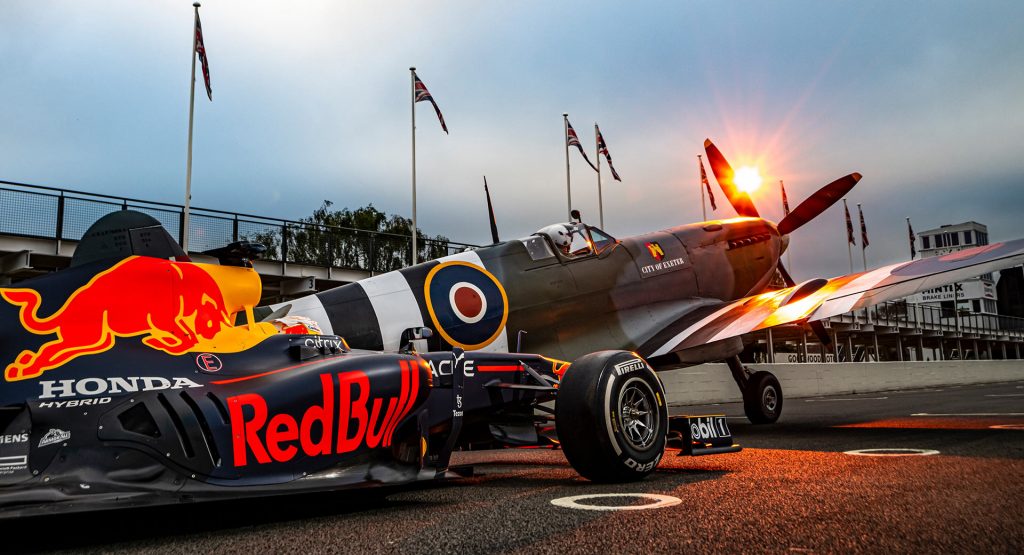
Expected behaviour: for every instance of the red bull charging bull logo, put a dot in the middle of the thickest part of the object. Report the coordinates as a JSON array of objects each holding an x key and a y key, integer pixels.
[{"x": 177, "y": 306}]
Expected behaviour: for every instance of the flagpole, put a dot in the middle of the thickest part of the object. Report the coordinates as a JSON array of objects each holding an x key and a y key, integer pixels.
[
  {"x": 849, "y": 249},
  {"x": 568, "y": 187},
  {"x": 863, "y": 247},
  {"x": 412, "y": 81},
  {"x": 700, "y": 185},
  {"x": 191, "y": 113},
  {"x": 600, "y": 198}
]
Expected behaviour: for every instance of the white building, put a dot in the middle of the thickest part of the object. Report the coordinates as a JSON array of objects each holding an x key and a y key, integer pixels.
[{"x": 976, "y": 295}]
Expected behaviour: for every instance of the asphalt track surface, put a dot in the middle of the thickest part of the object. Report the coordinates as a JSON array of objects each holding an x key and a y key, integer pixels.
[{"x": 792, "y": 489}]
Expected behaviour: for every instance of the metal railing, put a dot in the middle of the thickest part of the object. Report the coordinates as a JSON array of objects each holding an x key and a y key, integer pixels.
[
  {"x": 901, "y": 314},
  {"x": 63, "y": 214}
]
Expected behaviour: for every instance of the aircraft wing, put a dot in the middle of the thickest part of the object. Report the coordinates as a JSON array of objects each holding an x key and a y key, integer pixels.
[{"x": 820, "y": 299}]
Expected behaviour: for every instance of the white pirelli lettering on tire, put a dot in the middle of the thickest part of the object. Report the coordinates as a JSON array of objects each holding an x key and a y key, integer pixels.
[
  {"x": 642, "y": 467},
  {"x": 629, "y": 366}
]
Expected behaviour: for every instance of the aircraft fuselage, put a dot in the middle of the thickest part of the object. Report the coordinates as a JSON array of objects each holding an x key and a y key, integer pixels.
[{"x": 618, "y": 296}]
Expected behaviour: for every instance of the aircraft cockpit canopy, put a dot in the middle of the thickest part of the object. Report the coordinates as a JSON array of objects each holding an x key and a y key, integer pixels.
[{"x": 576, "y": 240}]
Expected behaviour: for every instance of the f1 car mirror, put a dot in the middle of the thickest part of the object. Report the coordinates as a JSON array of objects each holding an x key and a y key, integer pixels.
[{"x": 413, "y": 334}]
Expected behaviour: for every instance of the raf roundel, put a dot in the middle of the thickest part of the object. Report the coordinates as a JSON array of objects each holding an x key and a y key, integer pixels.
[{"x": 468, "y": 305}]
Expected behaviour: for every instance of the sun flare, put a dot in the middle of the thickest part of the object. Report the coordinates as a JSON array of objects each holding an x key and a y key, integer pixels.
[{"x": 747, "y": 179}]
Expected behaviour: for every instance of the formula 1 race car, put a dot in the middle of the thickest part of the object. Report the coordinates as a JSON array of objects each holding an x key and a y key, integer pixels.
[{"x": 137, "y": 377}]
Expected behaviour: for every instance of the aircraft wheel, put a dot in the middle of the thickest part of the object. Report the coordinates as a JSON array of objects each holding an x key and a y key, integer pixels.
[
  {"x": 611, "y": 417},
  {"x": 762, "y": 398}
]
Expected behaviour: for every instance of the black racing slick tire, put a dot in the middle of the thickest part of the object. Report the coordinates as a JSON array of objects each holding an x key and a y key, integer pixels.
[
  {"x": 762, "y": 398},
  {"x": 611, "y": 417}
]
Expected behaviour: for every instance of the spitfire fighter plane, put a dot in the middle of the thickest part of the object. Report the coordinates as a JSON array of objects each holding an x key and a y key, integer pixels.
[{"x": 678, "y": 296}]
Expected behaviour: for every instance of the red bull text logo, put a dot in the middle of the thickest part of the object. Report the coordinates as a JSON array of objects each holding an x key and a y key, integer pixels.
[
  {"x": 178, "y": 306},
  {"x": 280, "y": 437}
]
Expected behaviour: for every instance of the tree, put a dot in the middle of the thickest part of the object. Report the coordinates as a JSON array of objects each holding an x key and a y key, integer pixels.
[{"x": 364, "y": 238}]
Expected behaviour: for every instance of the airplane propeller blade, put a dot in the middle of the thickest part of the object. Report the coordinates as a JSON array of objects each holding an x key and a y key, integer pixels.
[
  {"x": 785, "y": 275},
  {"x": 724, "y": 175},
  {"x": 816, "y": 326},
  {"x": 490, "y": 213},
  {"x": 817, "y": 203},
  {"x": 819, "y": 329}
]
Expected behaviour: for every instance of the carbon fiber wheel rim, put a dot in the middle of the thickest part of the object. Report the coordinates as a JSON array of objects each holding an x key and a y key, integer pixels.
[{"x": 638, "y": 410}]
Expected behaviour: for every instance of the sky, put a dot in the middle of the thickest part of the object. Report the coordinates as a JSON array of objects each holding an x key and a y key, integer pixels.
[{"x": 311, "y": 102}]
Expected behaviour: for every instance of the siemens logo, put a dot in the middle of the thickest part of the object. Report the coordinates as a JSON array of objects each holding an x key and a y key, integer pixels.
[{"x": 13, "y": 438}]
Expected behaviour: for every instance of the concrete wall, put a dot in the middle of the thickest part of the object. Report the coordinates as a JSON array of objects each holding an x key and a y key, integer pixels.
[{"x": 712, "y": 383}]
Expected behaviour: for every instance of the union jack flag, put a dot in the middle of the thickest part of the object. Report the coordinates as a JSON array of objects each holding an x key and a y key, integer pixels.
[
  {"x": 572, "y": 139},
  {"x": 201, "y": 52},
  {"x": 603, "y": 149},
  {"x": 785, "y": 199},
  {"x": 913, "y": 249},
  {"x": 704, "y": 180},
  {"x": 863, "y": 229},
  {"x": 849, "y": 226},
  {"x": 423, "y": 95}
]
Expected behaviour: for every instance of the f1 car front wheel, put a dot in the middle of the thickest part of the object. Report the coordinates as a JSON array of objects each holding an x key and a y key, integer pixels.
[{"x": 611, "y": 417}]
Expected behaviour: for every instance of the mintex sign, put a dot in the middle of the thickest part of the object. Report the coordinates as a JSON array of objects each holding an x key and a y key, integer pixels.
[{"x": 974, "y": 289}]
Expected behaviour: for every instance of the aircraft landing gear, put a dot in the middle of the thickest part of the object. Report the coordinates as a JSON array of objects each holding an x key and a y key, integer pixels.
[{"x": 762, "y": 394}]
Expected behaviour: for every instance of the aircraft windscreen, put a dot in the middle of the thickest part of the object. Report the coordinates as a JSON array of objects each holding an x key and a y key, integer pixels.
[
  {"x": 580, "y": 245},
  {"x": 600, "y": 239},
  {"x": 575, "y": 240}
]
